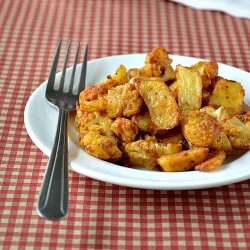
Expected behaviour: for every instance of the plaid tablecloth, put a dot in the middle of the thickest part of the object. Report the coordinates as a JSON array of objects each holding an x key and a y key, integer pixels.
[{"x": 102, "y": 215}]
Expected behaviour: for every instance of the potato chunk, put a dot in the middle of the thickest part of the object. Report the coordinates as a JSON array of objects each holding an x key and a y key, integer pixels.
[
  {"x": 124, "y": 129},
  {"x": 100, "y": 146},
  {"x": 200, "y": 128},
  {"x": 161, "y": 104},
  {"x": 228, "y": 94},
  {"x": 145, "y": 153},
  {"x": 189, "y": 88},
  {"x": 183, "y": 161},
  {"x": 123, "y": 100},
  {"x": 214, "y": 161}
]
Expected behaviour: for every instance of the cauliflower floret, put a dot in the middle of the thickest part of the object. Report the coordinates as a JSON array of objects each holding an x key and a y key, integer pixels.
[
  {"x": 93, "y": 121},
  {"x": 124, "y": 129},
  {"x": 200, "y": 129},
  {"x": 157, "y": 64},
  {"x": 123, "y": 100},
  {"x": 100, "y": 146},
  {"x": 145, "y": 153}
]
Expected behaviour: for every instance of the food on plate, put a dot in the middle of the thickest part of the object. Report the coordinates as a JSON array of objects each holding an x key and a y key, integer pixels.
[
  {"x": 163, "y": 109},
  {"x": 189, "y": 88},
  {"x": 184, "y": 160},
  {"x": 164, "y": 119}
]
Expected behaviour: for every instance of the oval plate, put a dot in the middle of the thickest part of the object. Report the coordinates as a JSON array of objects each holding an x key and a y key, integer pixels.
[{"x": 40, "y": 121}]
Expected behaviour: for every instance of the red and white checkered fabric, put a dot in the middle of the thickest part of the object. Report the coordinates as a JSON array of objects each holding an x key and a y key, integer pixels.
[{"x": 101, "y": 215}]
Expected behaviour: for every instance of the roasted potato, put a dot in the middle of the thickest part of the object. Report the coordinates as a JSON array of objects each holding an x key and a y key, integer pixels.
[
  {"x": 183, "y": 161},
  {"x": 145, "y": 153},
  {"x": 125, "y": 129},
  {"x": 229, "y": 94},
  {"x": 214, "y": 161},
  {"x": 161, "y": 104},
  {"x": 189, "y": 88}
]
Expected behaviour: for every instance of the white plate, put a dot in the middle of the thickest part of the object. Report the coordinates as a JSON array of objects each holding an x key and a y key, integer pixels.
[{"x": 41, "y": 118}]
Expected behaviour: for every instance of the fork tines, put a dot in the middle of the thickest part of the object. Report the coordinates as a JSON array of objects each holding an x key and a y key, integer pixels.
[{"x": 52, "y": 74}]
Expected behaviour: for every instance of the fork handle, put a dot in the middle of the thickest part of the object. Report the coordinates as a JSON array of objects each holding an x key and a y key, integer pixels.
[{"x": 53, "y": 199}]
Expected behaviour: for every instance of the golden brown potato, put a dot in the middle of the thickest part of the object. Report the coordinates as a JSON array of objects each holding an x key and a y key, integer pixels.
[
  {"x": 200, "y": 128},
  {"x": 100, "y": 146},
  {"x": 161, "y": 104},
  {"x": 144, "y": 122},
  {"x": 145, "y": 153},
  {"x": 123, "y": 100},
  {"x": 229, "y": 94},
  {"x": 189, "y": 88},
  {"x": 214, "y": 161},
  {"x": 124, "y": 129},
  {"x": 208, "y": 71},
  {"x": 183, "y": 161}
]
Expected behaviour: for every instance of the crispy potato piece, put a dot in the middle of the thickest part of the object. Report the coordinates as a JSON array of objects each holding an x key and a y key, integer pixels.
[
  {"x": 183, "y": 161},
  {"x": 229, "y": 94},
  {"x": 123, "y": 100},
  {"x": 120, "y": 76},
  {"x": 200, "y": 128},
  {"x": 124, "y": 129},
  {"x": 100, "y": 146},
  {"x": 189, "y": 88},
  {"x": 239, "y": 134},
  {"x": 208, "y": 71},
  {"x": 145, "y": 153},
  {"x": 144, "y": 122},
  {"x": 214, "y": 161},
  {"x": 161, "y": 104}
]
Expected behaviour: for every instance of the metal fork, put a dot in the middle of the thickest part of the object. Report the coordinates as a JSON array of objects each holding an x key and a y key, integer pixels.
[{"x": 53, "y": 199}]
